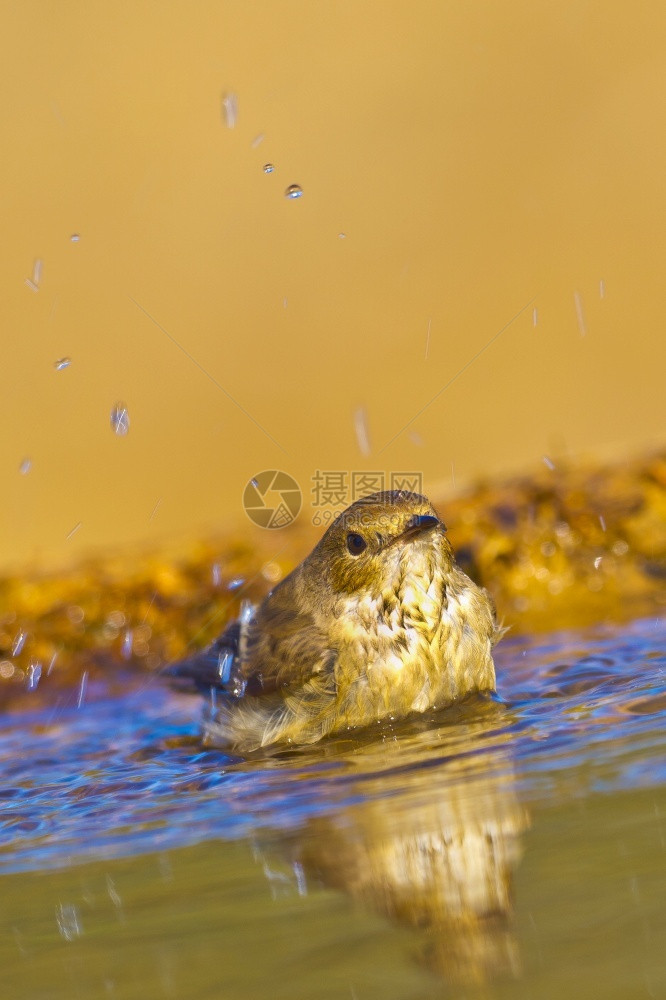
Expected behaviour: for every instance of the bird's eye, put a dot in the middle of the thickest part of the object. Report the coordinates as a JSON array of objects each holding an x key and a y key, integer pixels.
[{"x": 356, "y": 543}]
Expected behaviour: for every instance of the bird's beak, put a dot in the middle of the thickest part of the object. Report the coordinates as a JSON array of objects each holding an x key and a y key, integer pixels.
[{"x": 419, "y": 523}]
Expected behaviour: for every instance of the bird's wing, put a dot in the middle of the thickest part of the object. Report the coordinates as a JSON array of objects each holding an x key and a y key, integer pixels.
[
  {"x": 285, "y": 649},
  {"x": 278, "y": 651}
]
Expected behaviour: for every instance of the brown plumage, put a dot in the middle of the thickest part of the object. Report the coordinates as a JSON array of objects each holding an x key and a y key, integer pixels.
[{"x": 377, "y": 622}]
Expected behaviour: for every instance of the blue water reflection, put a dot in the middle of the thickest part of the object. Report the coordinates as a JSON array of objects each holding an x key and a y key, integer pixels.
[{"x": 123, "y": 773}]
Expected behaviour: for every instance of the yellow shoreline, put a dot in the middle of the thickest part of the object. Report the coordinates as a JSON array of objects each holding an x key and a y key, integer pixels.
[{"x": 569, "y": 546}]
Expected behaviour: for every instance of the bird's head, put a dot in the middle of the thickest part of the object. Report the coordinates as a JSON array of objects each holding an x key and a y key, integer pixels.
[{"x": 376, "y": 540}]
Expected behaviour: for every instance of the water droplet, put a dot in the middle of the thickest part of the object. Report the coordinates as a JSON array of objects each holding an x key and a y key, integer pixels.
[
  {"x": 548, "y": 462},
  {"x": 580, "y": 314},
  {"x": 120, "y": 422},
  {"x": 225, "y": 662},
  {"x": 127, "y": 644},
  {"x": 237, "y": 582},
  {"x": 216, "y": 574},
  {"x": 237, "y": 686},
  {"x": 271, "y": 571},
  {"x": 67, "y": 918},
  {"x": 294, "y": 191},
  {"x": 18, "y": 643},
  {"x": 114, "y": 895},
  {"x": 301, "y": 882},
  {"x": 268, "y": 168},
  {"x": 34, "y": 674},
  {"x": 257, "y": 140},
  {"x": 75, "y": 238},
  {"x": 25, "y": 466},
  {"x": 246, "y": 612},
  {"x": 342, "y": 236},
  {"x": 362, "y": 430},
  {"x": 230, "y": 109},
  {"x": 61, "y": 364},
  {"x": 83, "y": 687}
]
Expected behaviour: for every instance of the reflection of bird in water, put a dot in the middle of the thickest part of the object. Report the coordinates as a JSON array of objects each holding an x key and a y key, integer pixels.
[
  {"x": 432, "y": 845},
  {"x": 377, "y": 622}
]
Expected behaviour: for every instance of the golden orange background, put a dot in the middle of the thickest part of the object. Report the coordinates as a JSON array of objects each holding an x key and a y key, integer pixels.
[{"x": 483, "y": 160}]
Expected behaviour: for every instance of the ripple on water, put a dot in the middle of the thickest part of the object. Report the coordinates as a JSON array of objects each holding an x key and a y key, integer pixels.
[
  {"x": 652, "y": 704},
  {"x": 127, "y": 773}
]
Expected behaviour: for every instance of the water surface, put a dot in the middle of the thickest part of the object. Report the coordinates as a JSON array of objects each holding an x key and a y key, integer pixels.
[{"x": 513, "y": 849}]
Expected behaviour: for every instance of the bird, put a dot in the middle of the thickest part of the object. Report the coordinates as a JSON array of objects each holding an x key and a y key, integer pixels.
[{"x": 378, "y": 622}]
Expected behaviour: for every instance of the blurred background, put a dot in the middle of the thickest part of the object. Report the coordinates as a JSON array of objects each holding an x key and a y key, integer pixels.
[{"x": 471, "y": 280}]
